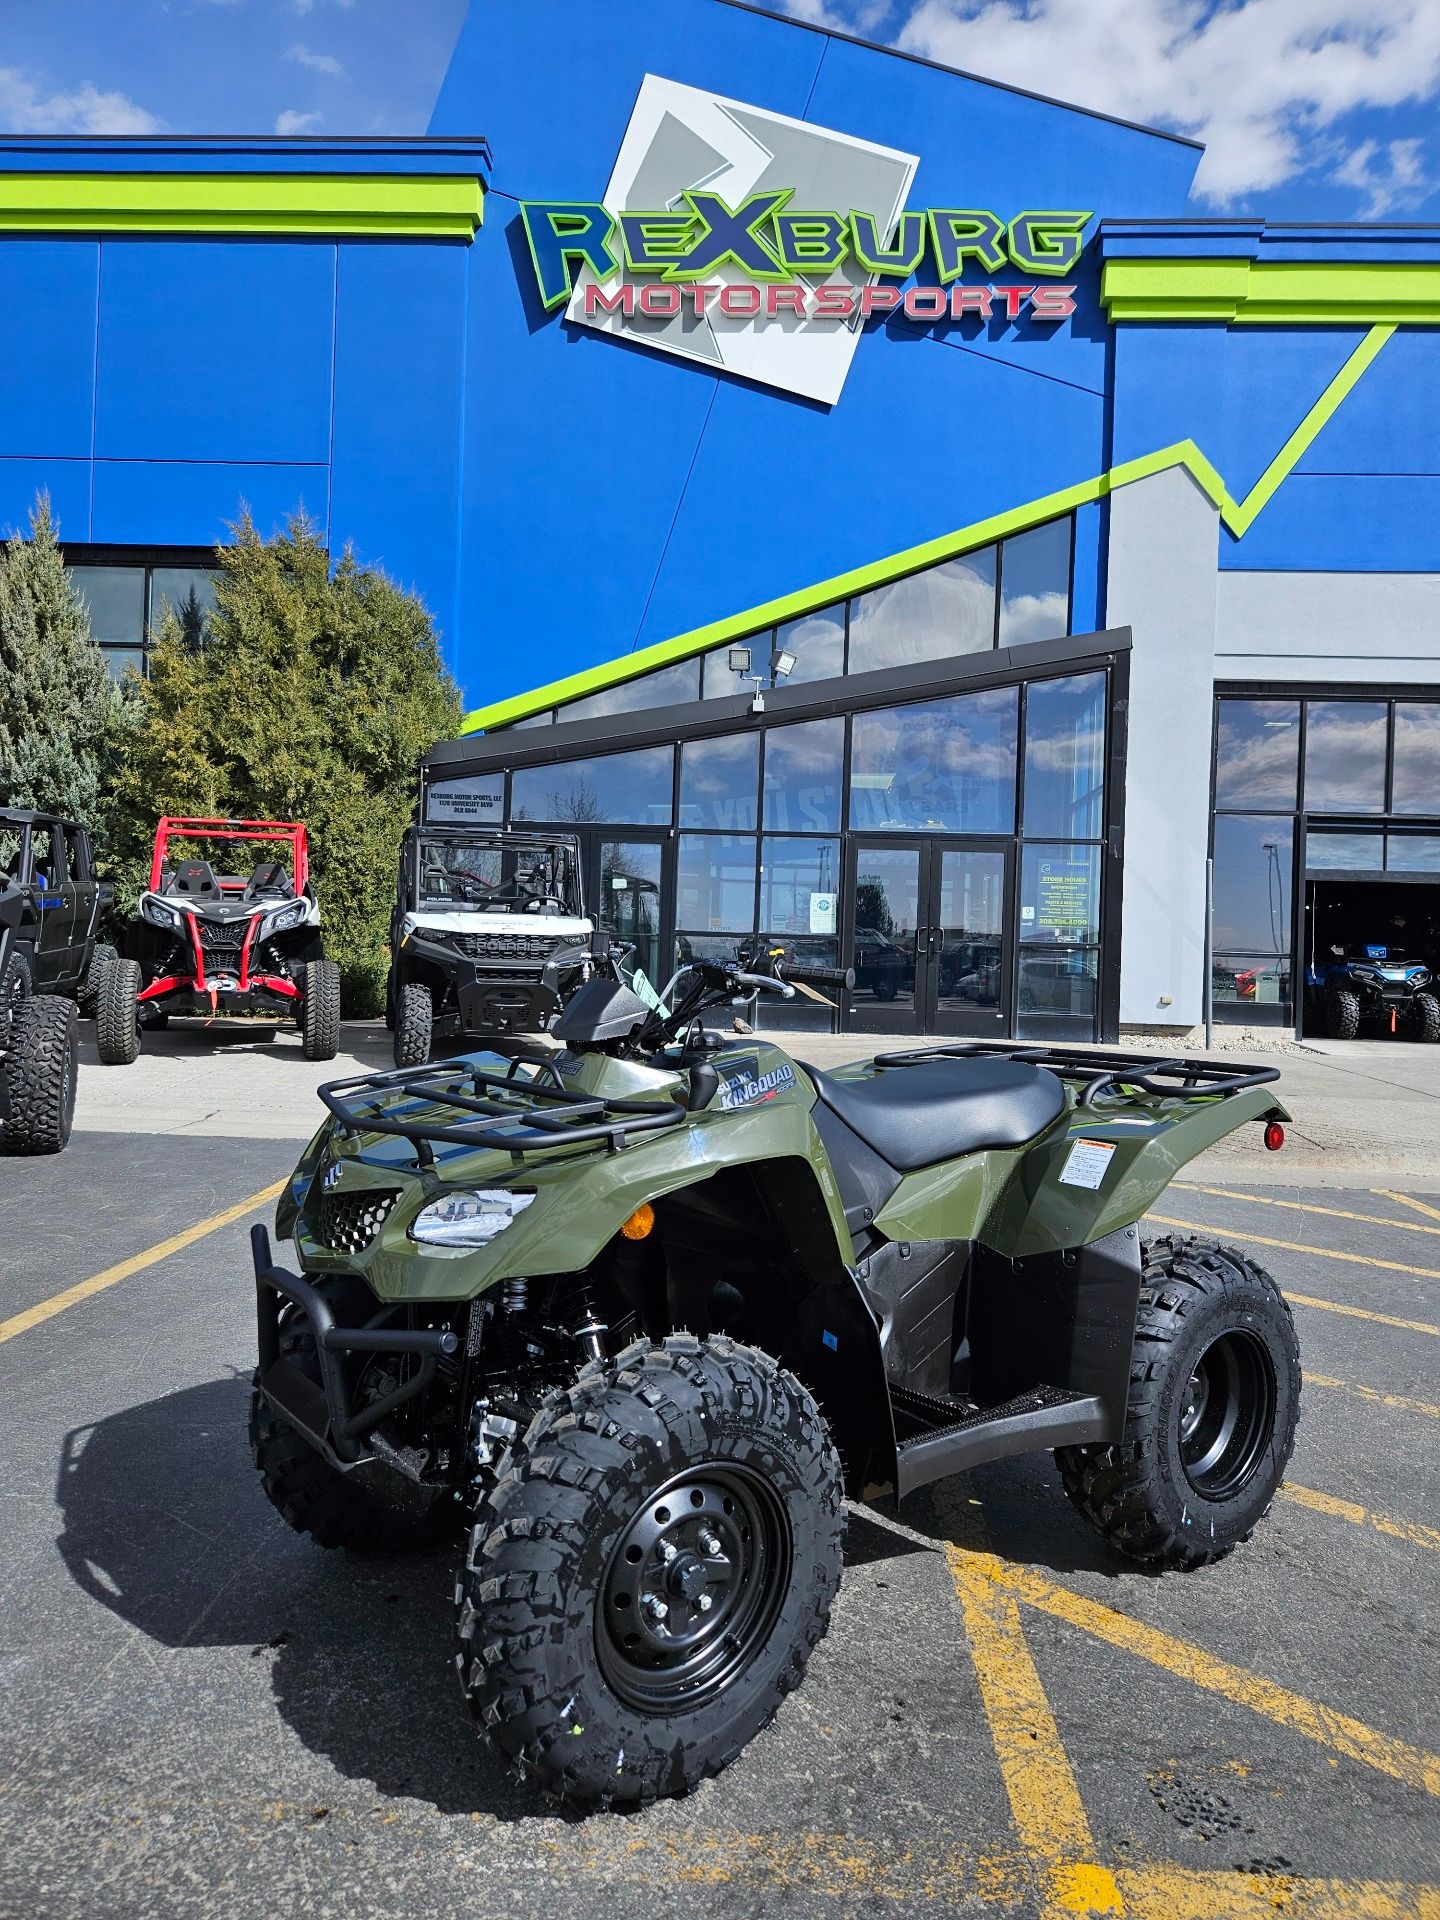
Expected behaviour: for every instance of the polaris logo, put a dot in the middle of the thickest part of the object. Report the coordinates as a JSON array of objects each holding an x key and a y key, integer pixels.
[{"x": 331, "y": 1176}]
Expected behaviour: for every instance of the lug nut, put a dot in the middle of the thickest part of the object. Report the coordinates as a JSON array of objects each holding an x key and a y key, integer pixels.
[
  {"x": 708, "y": 1543},
  {"x": 655, "y": 1607},
  {"x": 704, "y": 1603},
  {"x": 668, "y": 1551}
]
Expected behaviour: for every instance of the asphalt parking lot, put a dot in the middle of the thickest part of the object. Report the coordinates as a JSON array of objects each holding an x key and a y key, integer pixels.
[{"x": 205, "y": 1714}]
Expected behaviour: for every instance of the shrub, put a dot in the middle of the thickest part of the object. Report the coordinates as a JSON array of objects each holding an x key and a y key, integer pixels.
[{"x": 313, "y": 697}]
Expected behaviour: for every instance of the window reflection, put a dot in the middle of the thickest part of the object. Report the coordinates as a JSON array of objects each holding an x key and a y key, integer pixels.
[
  {"x": 798, "y": 882},
  {"x": 188, "y": 593},
  {"x": 817, "y": 641},
  {"x": 718, "y": 781},
  {"x": 1345, "y": 756},
  {"x": 1413, "y": 853},
  {"x": 1065, "y": 756},
  {"x": 1035, "y": 584},
  {"x": 715, "y": 882},
  {"x": 1417, "y": 758},
  {"x": 630, "y": 787},
  {"x": 937, "y": 765},
  {"x": 1257, "y": 753},
  {"x": 115, "y": 597},
  {"x": 662, "y": 688},
  {"x": 1362, "y": 852},
  {"x": 1055, "y": 995},
  {"x": 802, "y": 776},
  {"x": 1252, "y": 883},
  {"x": 926, "y": 616}
]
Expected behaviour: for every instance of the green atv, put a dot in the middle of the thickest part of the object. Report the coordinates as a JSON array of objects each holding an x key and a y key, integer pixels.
[{"x": 642, "y": 1311}]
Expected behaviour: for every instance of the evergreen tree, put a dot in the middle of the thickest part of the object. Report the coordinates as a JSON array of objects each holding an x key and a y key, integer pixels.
[
  {"x": 61, "y": 715},
  {"x": 313, "y": 697}
]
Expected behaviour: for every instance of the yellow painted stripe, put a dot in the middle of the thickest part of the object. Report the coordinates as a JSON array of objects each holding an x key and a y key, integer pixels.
[
  {"x": 1397, "y": 1402},
  {"x": 1295, "y": 1246},
  {"x": 112, "y": 1276},
  {"x": 1189, "y": 1893},
  {"x": 1362, "y": 1313},
  {"x": 1044, "y": 1799},
  {"x": 1339, "y": 1732},
  {"x": 1308, "y": 1206},
  {"x": 1336, "y": 1509},
  {"x": 1419, "y": 1206}
]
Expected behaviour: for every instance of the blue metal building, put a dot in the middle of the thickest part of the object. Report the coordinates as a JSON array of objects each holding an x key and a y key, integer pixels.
[{"x": 1097, "y": 543}]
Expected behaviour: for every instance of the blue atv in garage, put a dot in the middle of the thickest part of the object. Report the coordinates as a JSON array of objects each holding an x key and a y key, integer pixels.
[{"x": 1375, "y": 982}]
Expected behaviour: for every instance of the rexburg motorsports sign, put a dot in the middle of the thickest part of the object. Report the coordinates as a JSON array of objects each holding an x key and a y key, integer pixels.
[{"x": 719, "y": 240}]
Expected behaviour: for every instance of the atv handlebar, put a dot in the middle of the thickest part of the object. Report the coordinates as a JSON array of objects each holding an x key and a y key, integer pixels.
[{"x": 818, "y": 976}]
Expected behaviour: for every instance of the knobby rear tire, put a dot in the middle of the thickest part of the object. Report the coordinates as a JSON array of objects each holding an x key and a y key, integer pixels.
[
  {"x": 117, "y": 1015},
  {"x": 1425, "y": 1017},
  {"x": 414, "y": 1024},
  {"x": 1136, "y": 1491},
  {"x": 320, "y": 1011},
  {"x": 40, "y": 1072},
  {"x": 102, "y": 958},
  {"x": 547, "y": 1541},
  {"x": 1342, "y": 1014}
]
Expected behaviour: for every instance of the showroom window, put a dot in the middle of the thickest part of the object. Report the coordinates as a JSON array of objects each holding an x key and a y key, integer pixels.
[
  {"x": 633, "y": 789},
  {"x": 1004, "y": 595},
  {"x": 128, "y": 598},
  {"x": 1318, "y": 801}
]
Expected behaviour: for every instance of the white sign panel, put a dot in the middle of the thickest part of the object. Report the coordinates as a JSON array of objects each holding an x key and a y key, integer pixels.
[{"x": 682, "y": 137}]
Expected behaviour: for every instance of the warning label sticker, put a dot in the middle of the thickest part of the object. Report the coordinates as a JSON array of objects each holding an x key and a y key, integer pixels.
[{"x": 1086, "y": 1163}]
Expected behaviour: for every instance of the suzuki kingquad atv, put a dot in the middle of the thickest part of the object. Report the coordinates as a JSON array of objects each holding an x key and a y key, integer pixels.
[
  {"x": 244, "y": 942},
  {"x": 488, "y": 936},
  {"x": 1376, "y": 983},
  {"x": 640, "y": 1312},
  {"x": 39, "y": 1048}
]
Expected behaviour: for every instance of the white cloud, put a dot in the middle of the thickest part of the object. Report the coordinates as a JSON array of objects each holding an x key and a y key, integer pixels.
[
  {"x": 864, "y": 17},
  {"x": 26, "y": 108},
  {"x": 1390, "y": 174},
  {"x": 291, "y": 121},
  {"x": 1262, "y": 82},
  {"x": 309, "y": 6},
  {"x": 317, "y": 62}
]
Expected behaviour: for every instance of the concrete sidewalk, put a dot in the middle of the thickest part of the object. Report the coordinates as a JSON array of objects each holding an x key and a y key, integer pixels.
[{"x": 1364, "y": 1111}]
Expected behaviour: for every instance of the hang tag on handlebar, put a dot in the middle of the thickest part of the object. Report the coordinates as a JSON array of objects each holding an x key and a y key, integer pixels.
[{"x": 642, "y": 990}]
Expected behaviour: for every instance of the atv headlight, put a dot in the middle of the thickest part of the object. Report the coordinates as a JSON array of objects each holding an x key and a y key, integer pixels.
[
  {"x": 1420, "y": 977},
  {"x": 468, "y": 1219},
  {"x": 282, "y": 919},
  {"x": 160, "y": 913}
]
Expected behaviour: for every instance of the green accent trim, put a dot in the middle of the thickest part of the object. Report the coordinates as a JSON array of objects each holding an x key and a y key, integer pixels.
[
  {"x": 396, "y": 206},
  {"x": 1238, "y": 515},
  {"x": 1047, "y": 242},
  {"x": 903, "y": 258},
  {"x": 1272, "y": 293},
  {"x": 957, "y": 232}
]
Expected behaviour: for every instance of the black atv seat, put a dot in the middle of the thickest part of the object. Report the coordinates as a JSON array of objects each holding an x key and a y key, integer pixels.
[
  {"x": 196, "y": 879},
  {"x": 914, "y": 1116}
]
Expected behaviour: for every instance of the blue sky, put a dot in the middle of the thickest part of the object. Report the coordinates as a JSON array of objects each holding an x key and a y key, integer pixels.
[{"x": 1310, "y": 109}]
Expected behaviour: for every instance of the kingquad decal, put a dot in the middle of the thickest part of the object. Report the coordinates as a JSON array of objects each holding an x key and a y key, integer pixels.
[
  {"x": 743, "y": 1084},
  {"x": 703, "y": 245}
]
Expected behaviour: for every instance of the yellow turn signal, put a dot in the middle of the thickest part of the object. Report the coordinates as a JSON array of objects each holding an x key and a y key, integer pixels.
[{"x": 641, "y": 1223}]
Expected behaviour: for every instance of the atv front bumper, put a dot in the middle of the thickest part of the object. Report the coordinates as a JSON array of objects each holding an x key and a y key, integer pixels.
[{"x": 325, "y": 1413}]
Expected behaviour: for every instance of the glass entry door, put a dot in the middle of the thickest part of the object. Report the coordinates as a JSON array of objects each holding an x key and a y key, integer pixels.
[
  {"x": 629, "y": 893},
  {"x": 928, "y": 926}
]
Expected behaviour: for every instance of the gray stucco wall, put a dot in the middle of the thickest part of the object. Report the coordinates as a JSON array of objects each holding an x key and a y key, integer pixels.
[
  {"x": 1374, "y": 629},
  {"x": 1162, "y": 583}
]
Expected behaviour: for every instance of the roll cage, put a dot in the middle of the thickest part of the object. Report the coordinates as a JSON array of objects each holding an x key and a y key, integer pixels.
[{"x": 290, "y": 831}]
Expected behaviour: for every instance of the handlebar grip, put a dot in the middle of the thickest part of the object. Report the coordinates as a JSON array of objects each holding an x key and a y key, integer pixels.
[{"x": 819, "y": 976}]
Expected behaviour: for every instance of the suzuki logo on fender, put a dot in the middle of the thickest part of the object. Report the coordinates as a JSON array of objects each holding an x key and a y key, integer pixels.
[
  {"x": 744, "y": 1088},
  {"x": 701, "y": 249}
]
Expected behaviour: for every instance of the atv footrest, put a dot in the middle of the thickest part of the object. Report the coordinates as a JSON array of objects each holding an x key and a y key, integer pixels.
[{"x": 947, "y": 1436}]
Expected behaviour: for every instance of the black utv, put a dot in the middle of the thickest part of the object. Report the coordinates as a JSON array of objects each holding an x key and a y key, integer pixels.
[
  {"x": 49, "y": 865},
  {"x": 488, "y": 936}
]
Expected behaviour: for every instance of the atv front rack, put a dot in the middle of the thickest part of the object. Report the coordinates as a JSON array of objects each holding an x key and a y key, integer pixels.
[
  {"x": 1101, "y": 1071},
  {"x": 552, "y": 1114}
]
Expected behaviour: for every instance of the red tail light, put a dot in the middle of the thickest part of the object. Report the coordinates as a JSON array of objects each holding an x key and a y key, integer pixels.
[{"x": 1274, "y": 1136}]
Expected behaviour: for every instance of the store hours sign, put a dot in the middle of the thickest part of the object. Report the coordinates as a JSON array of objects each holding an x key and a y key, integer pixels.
[{"x": 760, "y": 245}]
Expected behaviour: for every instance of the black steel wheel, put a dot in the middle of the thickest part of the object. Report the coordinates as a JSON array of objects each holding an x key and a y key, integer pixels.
[
  {"x": 649, "y": 1576},
  {"x": 1214, "y": 1398},
  {"x": 693, "y": 1588}
]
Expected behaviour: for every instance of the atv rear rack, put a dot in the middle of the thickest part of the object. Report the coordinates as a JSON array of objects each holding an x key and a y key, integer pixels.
[
  {"x": 1102, "y": 1071},
  {"x": 557, "y": 1117}
]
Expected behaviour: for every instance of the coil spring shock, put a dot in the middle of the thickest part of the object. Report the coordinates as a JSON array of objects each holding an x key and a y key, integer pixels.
[{"x": 515, "y": 1294}]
